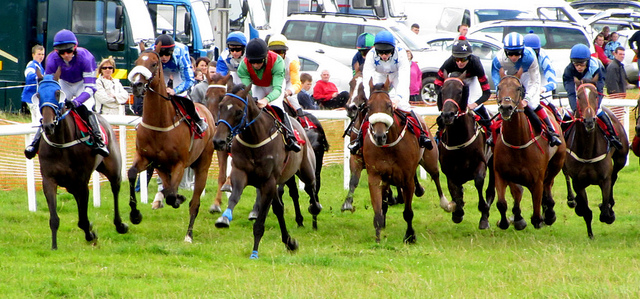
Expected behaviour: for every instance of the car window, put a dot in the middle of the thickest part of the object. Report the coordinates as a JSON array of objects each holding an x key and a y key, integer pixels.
[
  {"x": 485, "y": 15},
  {"x": 339, "y": 35},
  {"x": 301, "y": 30},
  {"x": 553, "y": 37},
  {"x": 307, "y": 65}
]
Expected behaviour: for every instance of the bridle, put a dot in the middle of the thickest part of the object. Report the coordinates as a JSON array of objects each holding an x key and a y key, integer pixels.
[
  {"x": 508, "y": 99},
  {"x": 244, "y": 124},
  {"x": 587, "y": 87},
  {"x": 459, "y": 112}
]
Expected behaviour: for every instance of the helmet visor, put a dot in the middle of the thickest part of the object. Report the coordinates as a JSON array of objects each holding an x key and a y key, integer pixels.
[{"x": 513, "y": 52}]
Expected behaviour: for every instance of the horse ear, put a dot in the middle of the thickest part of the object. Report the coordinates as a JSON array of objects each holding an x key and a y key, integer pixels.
[
  {"x": 371, "y": 83},
  {"x": 56, "y": 76},
  {"x": 356, "y": 66},
  {"x": 229, "y": 82},
  {"x": 445, "y": 74},
  {"x": 502, "y": 73},
  {"x": 141, "y": 46},
  {"x": 576, "y": 82},
  {"x": 595, "y": 78},
  {"x": 463, "y": 75},
  {"x": 39, "y": 74},
  {"x": 158, "y": 47},
  {"x": 519, "y": 73},
  {"x": 387, "y": 83}
]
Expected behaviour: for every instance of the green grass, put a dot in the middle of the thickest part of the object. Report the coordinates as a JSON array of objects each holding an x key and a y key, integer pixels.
[{"x": 341, "y": 259}]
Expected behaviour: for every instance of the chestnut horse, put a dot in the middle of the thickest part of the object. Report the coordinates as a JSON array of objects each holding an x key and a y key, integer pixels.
[
  {"x": 66, "y": 160},
  {"x": 523, "y": 157},
  {"x": 165, "y": 140},
  {"x": 391, "y": 157},
  {"x": 464, "y": 153},
  {"x": 592, "y": 160},
  {"x": 260, "y": 160}
]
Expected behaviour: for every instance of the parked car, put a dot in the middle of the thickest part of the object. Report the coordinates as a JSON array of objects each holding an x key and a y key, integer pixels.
[
  {"x": 616, "y": 19},
  {"x": 314, "y": 63},
  {"x": 556, "y": 38},
  {"x": 630, "y": 59},
  {"x": 605, "y": 4}
]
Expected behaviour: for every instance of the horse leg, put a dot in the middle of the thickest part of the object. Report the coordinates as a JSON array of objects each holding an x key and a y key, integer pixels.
[
  {"x": 516, "y": 192},
  {"x": 571, "y": 199},
  {"x": 434, "y": 173},
  {"x": 222, "y": 177},
  {"x": 356, "y": 165},
  {"x": 456, "y": 193},
  {"x": 307, "y": 175},
  {"x": 132, "y": 174},
  {"x": 419, "y": 190},
  {"x": 375, "y": 190},
  {"x": 501, "y": 188},
  {"x": 483, "y": 206},
  {"x": 582, "y": 207},
  {"x": 201, "y": 168},
  {"x": 239, "y": 182},
  {"x": 111, "y": 169},
  {"x": 50, "y": 189},
  {"x": 549, "y": 215},
  {"x": 410, "y": 234},
  {"x": 537, "y": 192},
  {"x": 81, "y": 194},
  {"x": 606, "y": 208},
  {"x": 278, "y": 209},
  {"x": 295, "y": 197},
  {"x": 253, "y": 215},
  {"x": 172, "y": 182}
]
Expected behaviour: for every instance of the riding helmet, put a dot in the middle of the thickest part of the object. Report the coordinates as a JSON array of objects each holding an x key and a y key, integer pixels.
[
  {"x": 580, "y": 53},
  {"x": 278, "y": 42},
  {"x": 236, "y": 38},
  {"x": 64, "y": 40},
  {"x": 365, "y": 41},
  {"x": 167, "y": 41},
  {"x": 256, "y": 49},
  {"x": 384, "y": 41},
  {"x": 532, "y": 41},
  {"x": 514, "y": 43},
  {"x": 461, "y": 48}
]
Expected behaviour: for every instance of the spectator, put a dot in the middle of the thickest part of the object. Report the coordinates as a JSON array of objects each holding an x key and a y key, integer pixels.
[
  {"x": 415, "y": 28},
  {"x": 363, "y": 44},
  {"x": 198, "y": 76},
  {"x": 416, "y": 80},
  {"x": 202, "y": 64},
  {"x": 598, "y": 44},
  {"x": 326, "y": 93},
  {"x": 606, "y": 33},
  {"x": 199, "y": 91},
  {"x": 231, "y": 58},
  {"x": 304, "y": 96},
  {"x": 616, "y": 78},
  {"x": 31, "y": 73},
  {"x": 109, "y": 91},
  {"x": 634, "y": 44},
  {"x": 463, "y": 29},
  {"x": 612, "y": 45}
]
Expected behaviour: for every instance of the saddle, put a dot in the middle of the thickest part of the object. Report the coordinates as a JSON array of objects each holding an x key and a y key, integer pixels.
[
  {"x": 178, "y": 104},
  {"x": 277, "y": 114},
  {"x": 83, "y": 127}
]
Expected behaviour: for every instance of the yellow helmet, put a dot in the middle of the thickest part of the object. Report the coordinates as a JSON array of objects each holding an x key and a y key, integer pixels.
[{"x": 278, "y": 42}]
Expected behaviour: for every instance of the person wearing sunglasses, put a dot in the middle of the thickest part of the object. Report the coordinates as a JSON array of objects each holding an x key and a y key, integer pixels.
[
  {"x": 363, "y": 44},
  {"x": 231, "y": 57},
  {"x": 278, "y": 45},
  {"x": 383, "y": 61},
  {"x": 461, "y": 61},
  {"x": 585, "y": 66},
  {"x": 78, "y": 82},
  {"x": 514, "y": 57},
  {"x": 109, "y": 91},
  {"x": 264, "y": 70}
]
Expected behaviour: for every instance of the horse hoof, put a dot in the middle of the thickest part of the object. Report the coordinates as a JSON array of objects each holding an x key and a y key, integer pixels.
[
  {"x": 457, "y": 216},
  {"x": 254, "y": 255},
  {"x": 292, "y": 244},
  {"x": 315, "y": 209},
  {"x": 188, "y": 239},
  {"x": 157, "y": 204},
  {"x": 253, "y": 215},
  {"x": 571, "y": 203},
  {"x": 215, "y": 208},
  {"x": 607, "y": 219},
  {"x": 222, "y": 222},
  {"x": 484, "y": 224},
  {"x": 410, "y": 239},
  {"x": 503, "y": 224},
  {"x": 123, "y": 228},
  {"x": 91, "y": 236},
  {"x": 550, "y": 219},
  {"x": 346, "y": 207},
  {"x": 419, "y": 191},
  {"x": 521, "y": 224},
  {"x": 135, "y": 217},
  {"x": 226, "y": 188}
]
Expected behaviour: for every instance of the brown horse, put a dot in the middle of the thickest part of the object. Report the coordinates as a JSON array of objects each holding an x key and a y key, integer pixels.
[
  {"x": 591, "y": 159},
  {"x": 66, "y": 160},
  {"x": 260, "y": 160},
  {"x": 165, "y": 140},
  {"x": 635, "y": 147},
  {"x": 391, "y": 157},
  {"x": 464, "y": 153},
  {"x": 523, "y": 157}
]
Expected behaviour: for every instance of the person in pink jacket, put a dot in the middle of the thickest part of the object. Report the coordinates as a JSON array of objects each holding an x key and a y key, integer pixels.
[{"x": 415, "y": 86}]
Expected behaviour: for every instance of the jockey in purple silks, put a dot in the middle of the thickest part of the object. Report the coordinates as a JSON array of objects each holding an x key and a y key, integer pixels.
[{"x": 78, "y": 82}]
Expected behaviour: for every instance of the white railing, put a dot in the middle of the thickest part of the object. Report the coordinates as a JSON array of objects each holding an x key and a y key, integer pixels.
[{"x": 124, "y": 120}]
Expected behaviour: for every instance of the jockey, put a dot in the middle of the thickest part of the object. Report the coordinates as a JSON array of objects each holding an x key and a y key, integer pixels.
[
  {"x": 231, "y": 57},
  {"x": 584, "y": 66},
  {"x": 548, "y": 84},
  {"x": 278, "y": 45},
  {"x": 176, "y": 66},
  {"x": 78, "y": 82},
  {"x": 516, "y": 56},
  {"x": 264, "y": 69},
  {"x": 387, "y": 60},
  {"x": 463, "y": 60},
  {"x": 363, "y": 44}
]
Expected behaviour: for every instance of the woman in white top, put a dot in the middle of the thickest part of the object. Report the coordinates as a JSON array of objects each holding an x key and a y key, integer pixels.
[{"x": 109, "y": 91}]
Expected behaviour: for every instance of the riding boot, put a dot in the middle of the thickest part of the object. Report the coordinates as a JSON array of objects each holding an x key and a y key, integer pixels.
[
  {"x": 613, "y": 136},
  {"x": 291, "y": 143},
  {"x": 423, "y": 139},
  {"x": 554, "y": 139},
  {"x": 553, "y": 108},
  {"x": 200, "y": 125},
  {"x": 441, "y": 125},
  {"x": 356, "y": 144},
  {"x": 485, "y": 121},
  {"x": 99, "y": 146},
  {"x": 32, "y": 149}
]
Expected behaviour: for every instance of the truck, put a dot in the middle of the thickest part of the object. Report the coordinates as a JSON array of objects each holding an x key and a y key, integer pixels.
[
  {"x": 187, "y": 21},
  {"x": 106, "y": 28}
]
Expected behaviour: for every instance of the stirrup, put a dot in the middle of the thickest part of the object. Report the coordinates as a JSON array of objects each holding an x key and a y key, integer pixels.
[
  {"x": 615, "y": 141},
  {"x": 354, "y": 146},
  {"x": 554, "y": 139},
  {"x": 425, "y": 142},
  {"x": 201, "y": 127},
  {"x": 100, "y": 150},
  {"x": 293, "y": 145}
]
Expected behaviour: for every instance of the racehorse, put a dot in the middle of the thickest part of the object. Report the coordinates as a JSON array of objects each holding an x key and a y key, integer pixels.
[
  {"x": 165, "y": 140},
  {"x": 464, "y": 153},
  {"x": 260, "y": 160},
  {"x": 390, "y": 156},
  {"x": 636, "y": 139},
  {"x": 523, "y": 157},
  {"x": 357, "y": 110},
  {"x": 592, "y": 160},
  {"x": 66, "y": 160}
]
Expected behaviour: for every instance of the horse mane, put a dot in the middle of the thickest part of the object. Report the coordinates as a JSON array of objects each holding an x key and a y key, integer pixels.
[
  {"x": 236, "y": 88},
  {"x": 378, "y": 86}
]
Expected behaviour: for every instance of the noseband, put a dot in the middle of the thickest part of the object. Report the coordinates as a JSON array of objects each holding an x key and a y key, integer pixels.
[
  {"x": 509, "y": 99},
  {"x": 460, "y": 112},
  {"x": 148, "y": 74},
  {"x": 235, "y": 130},
  {"x": 588, "y": 88}
]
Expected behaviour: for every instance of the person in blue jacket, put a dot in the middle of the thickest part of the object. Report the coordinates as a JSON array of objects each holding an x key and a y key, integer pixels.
[
  {"x": 232, "y": 56},
  {"x": 363, "y": 44},
  {"x": 584, "y": 66},
  {"x": 548, "y": 84},
  {"x": 31, "y": 72}
]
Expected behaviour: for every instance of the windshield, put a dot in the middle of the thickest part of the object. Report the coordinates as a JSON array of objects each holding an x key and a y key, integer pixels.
[
  {"x": 206, "y": 32},
  {"x": 396, "y": 8},
  {"x": 141, "y": 26},
  {"x": 485, "y": 15},
  {"x": 408, "y": 38}
]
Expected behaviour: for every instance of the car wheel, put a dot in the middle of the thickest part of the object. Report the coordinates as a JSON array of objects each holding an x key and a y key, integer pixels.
[{"x": 429, "y": 91}]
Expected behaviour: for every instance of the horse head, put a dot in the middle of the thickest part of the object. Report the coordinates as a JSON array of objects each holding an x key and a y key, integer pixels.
[
  {"x": 455, "y": 95},
  {"x": 380, "y": 112},
  {"x": 218, "y": 86},
  {"x": 510, "y": 93},
  {"x": 147, "y": 68},
  {"x": 51, "y": 100},
  {"x": 357, "y": 99},
  {"x": 586, "y": 101},
  {"x": 233, "y": 113}
]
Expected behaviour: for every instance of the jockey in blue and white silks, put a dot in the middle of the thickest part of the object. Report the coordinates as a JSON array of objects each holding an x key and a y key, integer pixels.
[
  {"x": 178, "y": 67},
  {"x": 548, "y": 83},
  {"x": 232, "y": 56}
]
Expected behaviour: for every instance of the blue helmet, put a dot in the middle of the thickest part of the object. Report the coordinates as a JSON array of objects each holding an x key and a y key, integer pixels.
[
  {"x": 384, "y": 41},
  {"x": 237, "y": 38},
  {"x": 580, "y": 53},
  {"x": 532, "y": 40},
  {"x": 365, "y": 41},
  {"x": 514, "y": 41},
  {"x": 64, "y": 39}
]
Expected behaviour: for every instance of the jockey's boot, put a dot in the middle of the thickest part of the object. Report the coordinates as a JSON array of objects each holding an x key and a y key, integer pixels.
[
  {"x": 199, "y": 123},
  {"x": 99, "y": 147},
  {"x": 423, "y": 139},
  {"x": 554, "y": 138},
  {"x": 300, "y": 112},
  {"x": 32, "y": 149},
  {"x": 356, "y": 144},
  {"x": 485, "y": 121},
  {"x": 291, "y": 143},
  {"x": 612, "y": 134},
  {"x": 441, "y": 126},
  {"x": 553, "y": 108}
]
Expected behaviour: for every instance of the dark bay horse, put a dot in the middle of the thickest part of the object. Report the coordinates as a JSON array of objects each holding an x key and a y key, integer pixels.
[
  {"x": 464, "y": 153},
  {"x": 635, "y": 147},
  {"x": 391, "y": 157},
  {"x": 523, "y": 157},
  {"x": 165, "y": 140},
  {"x": 66, "y": 160},
  {"x": 260, "y": 160},
  {"x": 592, "y": 160}
]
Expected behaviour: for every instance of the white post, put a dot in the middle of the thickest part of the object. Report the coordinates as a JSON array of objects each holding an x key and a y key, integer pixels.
[
  {"x": 96, "y": 189},
  {"x": 227, "y": 194},
  {"x": 31, "y": 179},
  {"x": 144, "y": 194},
  {"x": 346, "y": 172},
  {"x": 626, "y": 129}
]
